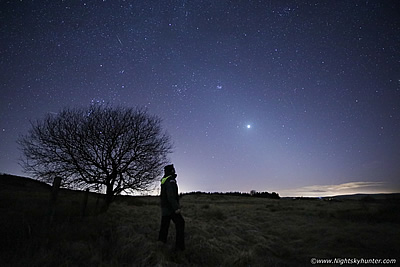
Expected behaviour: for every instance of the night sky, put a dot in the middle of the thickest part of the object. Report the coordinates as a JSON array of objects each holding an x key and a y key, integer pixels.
[{"x": 297, "y": 97}]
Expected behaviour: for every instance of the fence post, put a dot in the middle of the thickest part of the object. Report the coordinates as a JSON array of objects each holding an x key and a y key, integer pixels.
[
  {"x": 53, "y": 198},
  {"x": 85, "y": 201},
  {"x": 97, "y": 202}
]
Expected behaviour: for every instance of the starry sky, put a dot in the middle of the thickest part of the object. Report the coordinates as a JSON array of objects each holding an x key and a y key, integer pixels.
[{"x": 296, "y": 97}]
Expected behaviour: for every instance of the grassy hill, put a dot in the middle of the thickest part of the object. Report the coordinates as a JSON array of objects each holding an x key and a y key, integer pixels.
[{"x": 220, "y": 230}]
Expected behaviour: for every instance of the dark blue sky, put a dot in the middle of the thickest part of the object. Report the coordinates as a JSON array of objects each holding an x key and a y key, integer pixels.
[{"x": 318, "y": 83}]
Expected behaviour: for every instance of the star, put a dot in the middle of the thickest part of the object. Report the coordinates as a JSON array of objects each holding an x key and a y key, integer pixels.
[{"x": 191, "y": 67}]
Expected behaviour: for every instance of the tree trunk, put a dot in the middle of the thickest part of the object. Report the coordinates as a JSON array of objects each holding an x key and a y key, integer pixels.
[
  {"x": 109, "y": 196},
  {"x": 110, "y": 189}
]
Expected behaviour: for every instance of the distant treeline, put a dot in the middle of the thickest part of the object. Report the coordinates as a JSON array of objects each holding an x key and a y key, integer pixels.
[{"x": 272, "y": 195}]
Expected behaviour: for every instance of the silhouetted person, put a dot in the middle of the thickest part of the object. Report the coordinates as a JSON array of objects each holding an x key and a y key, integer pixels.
[{"x": 170, "y": 208}]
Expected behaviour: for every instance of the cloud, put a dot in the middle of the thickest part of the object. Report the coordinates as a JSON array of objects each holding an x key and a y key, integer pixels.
[{"x": 339, "y": 189}]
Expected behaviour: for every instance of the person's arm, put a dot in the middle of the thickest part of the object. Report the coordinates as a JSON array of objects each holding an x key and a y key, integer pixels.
[{"x": 171, "y": 196}]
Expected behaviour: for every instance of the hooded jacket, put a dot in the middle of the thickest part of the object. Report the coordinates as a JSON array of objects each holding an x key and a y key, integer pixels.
[{"x": 169, "y": 195}]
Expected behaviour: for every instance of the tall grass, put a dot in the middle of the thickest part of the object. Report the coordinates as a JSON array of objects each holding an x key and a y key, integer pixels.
[{"x": 220, "y": 231}]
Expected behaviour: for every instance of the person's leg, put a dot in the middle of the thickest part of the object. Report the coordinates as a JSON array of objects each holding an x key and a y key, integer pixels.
[
  {"x": 180, "y": 231},
  {"x": 163, "y": 234}
]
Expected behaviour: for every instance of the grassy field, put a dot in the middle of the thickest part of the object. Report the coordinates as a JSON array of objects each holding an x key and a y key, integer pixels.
[{"x": 220, "y": 230}]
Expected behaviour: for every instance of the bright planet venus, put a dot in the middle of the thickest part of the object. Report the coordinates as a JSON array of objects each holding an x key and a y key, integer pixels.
[{"x": 318, "y": 80}]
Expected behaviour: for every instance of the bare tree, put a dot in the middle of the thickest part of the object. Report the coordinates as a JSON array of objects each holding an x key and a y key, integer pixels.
[{"x": 119, "y": 149}]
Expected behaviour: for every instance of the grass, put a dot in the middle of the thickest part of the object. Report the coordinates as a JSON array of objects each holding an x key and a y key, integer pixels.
[{"x": 220, "y": 230}]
